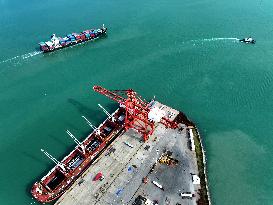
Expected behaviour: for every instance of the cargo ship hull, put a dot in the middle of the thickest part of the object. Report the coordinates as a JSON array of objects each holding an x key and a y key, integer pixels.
[
  {"x": 59, "y": 179},
  {"x": 57, "y": 43}
]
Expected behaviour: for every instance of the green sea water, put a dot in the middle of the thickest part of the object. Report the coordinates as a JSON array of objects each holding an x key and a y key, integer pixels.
[{"x": 184, "y": 52}]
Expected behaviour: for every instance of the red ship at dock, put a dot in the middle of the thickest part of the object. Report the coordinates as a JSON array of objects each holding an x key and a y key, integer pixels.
[
  {"x": 133, "y": 113},
  {"x": 65, "y": 173}
]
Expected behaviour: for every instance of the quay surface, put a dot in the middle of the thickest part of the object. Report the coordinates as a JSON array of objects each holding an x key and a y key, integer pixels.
[{"x": 124, "y": 168}]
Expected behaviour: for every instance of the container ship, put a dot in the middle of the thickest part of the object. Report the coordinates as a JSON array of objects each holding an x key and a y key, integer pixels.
[
  {"x": 65, "y": 172},
  {"x": 56, "y": 43}
]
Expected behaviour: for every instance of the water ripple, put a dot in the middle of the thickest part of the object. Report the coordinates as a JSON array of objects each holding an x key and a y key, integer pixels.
[{"x": 21, "y": 57}]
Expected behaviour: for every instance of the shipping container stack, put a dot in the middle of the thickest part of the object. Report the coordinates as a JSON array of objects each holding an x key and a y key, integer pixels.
[{"x": 73, "y": 38}]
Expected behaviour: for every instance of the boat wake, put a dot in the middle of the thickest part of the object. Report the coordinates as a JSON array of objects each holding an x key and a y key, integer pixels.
[
  {"x": 215, "y": 39},
  {"x": 29, "y": 55},
  {"x": 21, "y": 57}
]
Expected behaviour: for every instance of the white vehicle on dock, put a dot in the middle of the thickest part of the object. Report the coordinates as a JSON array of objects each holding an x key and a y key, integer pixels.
[
  {"x": 187, "y": 195},
  {"x": 129, "y": 145},
  {"x": 158, "y": 185}
]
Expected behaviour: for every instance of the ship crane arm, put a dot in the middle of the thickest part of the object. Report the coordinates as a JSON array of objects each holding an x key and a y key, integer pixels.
[
  {"x": 81, "y": 145},
  {"x": 107, "y": 113},
  {"x": 61, "y": 165},
  {"x": 91, "y": 125},
  {"x": 73, "y": 137}
]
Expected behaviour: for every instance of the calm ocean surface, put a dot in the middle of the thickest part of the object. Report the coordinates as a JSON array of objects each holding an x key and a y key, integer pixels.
[{"x": 183, "y": 51}]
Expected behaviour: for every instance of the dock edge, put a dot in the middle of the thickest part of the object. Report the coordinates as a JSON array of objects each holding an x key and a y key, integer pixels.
[{"x": 201, "y": 159}]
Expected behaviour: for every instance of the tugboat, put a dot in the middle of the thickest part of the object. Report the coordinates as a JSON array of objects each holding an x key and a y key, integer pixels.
[
  {"x": 248, "y": 40},
  {"x": 56, "y": 43}
]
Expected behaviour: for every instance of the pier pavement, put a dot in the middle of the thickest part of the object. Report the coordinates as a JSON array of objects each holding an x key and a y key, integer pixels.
[{"x": 124, "y": 168}]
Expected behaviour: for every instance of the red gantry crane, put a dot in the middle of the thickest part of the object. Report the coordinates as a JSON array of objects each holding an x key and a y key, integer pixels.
[{"x": 139, "y": 113}]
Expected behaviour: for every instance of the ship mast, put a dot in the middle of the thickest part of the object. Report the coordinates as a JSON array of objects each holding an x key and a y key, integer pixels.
[
  {"x": 81, "y": 145},
  {"x": 92, "y": 126},
  {"x": 61, "y": 165},
  {"x": 107, "y": 113}
]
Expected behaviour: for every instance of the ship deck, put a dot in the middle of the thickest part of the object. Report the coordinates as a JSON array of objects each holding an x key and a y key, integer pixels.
[{"x": 124, "y": 168}]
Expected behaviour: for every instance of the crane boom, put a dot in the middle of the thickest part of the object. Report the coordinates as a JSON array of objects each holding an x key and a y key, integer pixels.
[
  {"x": 60, "y": 164},
  {"x": 123, "y": 97},
  {"x": 73, "y": 137},
  {"x": 97, "y": 130},
  {"x": 112, "y": 95},
  {"x": 107, "y": 113},
  {"x": 81, "y": 145},
  {"x": 137, "y": 110}
]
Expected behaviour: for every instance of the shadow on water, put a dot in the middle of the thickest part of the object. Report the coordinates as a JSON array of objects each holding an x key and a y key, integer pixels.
[
  {"x": 84, "y": 110},
  {"x": 34, "y": 157},
  {"x": 59, "y": 140},
  {"x": 71, "y": 127},
  {"x": 83, "y": 134},
  {"x": 95, "y": 116}
]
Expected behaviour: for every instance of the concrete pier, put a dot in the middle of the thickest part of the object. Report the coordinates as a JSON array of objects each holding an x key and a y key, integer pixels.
[{"x": 133, "y": 172}]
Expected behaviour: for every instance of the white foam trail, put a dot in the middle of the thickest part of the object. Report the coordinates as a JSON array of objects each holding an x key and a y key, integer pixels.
[
  {"x": 215, "y": 39},
  {"x": 220, "y": 39},
  {"x": 28, "y": 55},
  {"x": 24, "y": 56}
]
